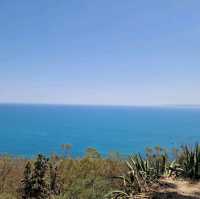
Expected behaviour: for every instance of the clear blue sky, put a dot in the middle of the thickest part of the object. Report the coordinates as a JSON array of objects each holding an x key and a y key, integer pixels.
[{"x": 131, "y": 52}]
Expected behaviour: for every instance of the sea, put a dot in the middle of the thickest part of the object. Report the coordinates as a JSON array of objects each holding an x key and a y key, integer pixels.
[{"x": 27, "y": 130}]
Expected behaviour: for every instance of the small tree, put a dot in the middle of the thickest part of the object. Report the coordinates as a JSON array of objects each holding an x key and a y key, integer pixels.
[
  {"x": 27, "y": 182},
  {"x": 40, "y": 189},
  {"x": 55, "y": 184},
  {"x": 34, "y": 184}
]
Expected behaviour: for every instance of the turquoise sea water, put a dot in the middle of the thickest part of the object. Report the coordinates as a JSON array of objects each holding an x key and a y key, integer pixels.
[{"x": 29, "y": 129}]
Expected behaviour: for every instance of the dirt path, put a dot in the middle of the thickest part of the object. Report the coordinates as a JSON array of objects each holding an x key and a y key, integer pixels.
[{"x": 178, "y": 189}]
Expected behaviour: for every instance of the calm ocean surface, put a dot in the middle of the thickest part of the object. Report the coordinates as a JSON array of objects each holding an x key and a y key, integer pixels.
[{"x": 29, "y": 129}]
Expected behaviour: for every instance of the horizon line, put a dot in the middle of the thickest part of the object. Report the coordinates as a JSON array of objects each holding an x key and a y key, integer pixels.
[{"x": 111, "y": 105}]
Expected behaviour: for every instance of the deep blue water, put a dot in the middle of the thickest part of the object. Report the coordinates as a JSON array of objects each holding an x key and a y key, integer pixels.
[{"x": 29, "y": 129}]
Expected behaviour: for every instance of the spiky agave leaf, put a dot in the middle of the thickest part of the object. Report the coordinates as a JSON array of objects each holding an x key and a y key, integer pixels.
[
  {"x": 190, "y": 161},
  {"x": 116, "y": 194}
]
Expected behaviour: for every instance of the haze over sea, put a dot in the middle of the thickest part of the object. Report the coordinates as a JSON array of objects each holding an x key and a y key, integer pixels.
[{"x": 30, "y": 129}]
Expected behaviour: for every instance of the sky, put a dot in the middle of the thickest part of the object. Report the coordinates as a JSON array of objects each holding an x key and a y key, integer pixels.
[{"x": 109, "y": 52}]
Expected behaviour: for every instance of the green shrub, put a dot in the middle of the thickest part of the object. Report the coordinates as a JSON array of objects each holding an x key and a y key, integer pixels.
[
  {"x": 189, "y": 160},
  {"x": 141, "y": 174}
]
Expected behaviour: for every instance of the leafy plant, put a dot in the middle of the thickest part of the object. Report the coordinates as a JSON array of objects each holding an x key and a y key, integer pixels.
[
  {"x": 34, "y": 184},
  {"x": 27, "y": 182},
  {"x": 189, "y": 160},
  {"x": 141, "y": 174}
]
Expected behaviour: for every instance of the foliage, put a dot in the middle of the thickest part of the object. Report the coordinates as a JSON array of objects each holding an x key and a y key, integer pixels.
[
  {"x": 7, "y": 196},
  {"x": 141, "y": 174},
  {"x": 11, "y": 173},
  {"x": 92, "y": 153},
  {"x": 27, "y": 182},
  {"x": 189, "y": 160},
  {"x": 34, "y": 184},
  {"x": 88, "y": 177},
  {"x": 55, "y": 182},
  {"x": 93, "y": 176}
]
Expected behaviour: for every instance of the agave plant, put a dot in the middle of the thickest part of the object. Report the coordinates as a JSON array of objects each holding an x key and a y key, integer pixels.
[
  {"x": 174, "y": 169},
  {"x": 132, "y": 183},
  {"x": 142, "y": 173},
  {"x": 189, "y": 160}
]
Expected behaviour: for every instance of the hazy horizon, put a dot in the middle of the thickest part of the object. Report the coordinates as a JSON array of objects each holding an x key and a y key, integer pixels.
[
  {"x": 114, "y": 105},
  {"x": 133, "y": 53}
]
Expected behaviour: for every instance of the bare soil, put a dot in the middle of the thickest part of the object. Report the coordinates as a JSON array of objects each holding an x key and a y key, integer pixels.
[{"x": 176, "y": 189}]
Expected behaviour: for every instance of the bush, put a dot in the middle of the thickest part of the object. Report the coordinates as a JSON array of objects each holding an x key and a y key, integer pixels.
[{"x": 189, "y": 160}]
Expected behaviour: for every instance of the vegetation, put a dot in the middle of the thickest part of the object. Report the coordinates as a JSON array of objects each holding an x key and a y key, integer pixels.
[
  {"x": 141, "y": 173},
  {"x": 59, "y": 177},
  {"x": 144, "y": 172},
  {"x": 35, "y": 183},
  {"x": 94, "y": 176},
  {"x": 189, "y": 161}
]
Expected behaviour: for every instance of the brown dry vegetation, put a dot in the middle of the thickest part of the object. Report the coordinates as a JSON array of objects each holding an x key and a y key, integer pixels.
[
  {"x": 80, "y": 178},
  {"x": 11, "y": 174},
  {"x": 93, "y": 177}
]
